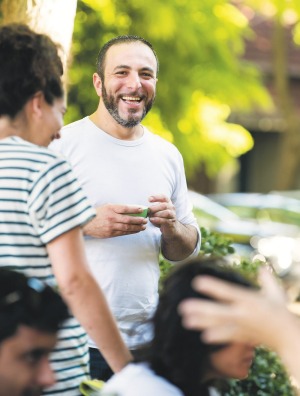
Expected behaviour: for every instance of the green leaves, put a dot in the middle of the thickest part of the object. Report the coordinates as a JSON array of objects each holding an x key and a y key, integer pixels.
[
  {"x": 215, "y": 244},
  {"x": 202, "y": 77}
]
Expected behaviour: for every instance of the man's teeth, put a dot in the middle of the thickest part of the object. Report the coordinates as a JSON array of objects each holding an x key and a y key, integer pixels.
[{"x": 131, "y": 98}]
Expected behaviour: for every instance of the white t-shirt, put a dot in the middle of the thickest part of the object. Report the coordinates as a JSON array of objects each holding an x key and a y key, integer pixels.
[
  {"x": 139, "y": 380},
  {"x": 118, "y": 171}
]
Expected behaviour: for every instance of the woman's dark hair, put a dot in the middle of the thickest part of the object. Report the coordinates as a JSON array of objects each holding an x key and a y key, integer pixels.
[
  {"x": 29, "y": 63},
  {"x": 29, "y": 302},
  {"x": 176, "y": 353}
]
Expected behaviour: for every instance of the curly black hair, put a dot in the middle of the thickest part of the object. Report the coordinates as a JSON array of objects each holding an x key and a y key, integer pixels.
[
  {"x": 29, "y": 63},
  {"x": 30, "y": 302}
]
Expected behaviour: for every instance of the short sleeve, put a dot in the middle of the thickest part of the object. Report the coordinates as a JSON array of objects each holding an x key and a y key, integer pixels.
[{"x": 56, "y": 202}]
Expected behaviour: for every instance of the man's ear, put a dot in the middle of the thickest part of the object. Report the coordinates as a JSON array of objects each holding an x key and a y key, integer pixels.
[{"x": 97, "y": 84}]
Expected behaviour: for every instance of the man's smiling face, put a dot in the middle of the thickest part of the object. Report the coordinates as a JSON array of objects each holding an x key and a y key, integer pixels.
[{"x": 128, "y": 89}]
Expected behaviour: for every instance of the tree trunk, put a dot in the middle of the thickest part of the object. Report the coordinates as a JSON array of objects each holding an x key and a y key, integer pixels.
[
  {"x": 289, "y": 158},
  {"x": 52, "y": 17}
]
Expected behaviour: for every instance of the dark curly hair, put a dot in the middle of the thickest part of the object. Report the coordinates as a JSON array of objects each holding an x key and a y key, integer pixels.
[
  {"x": 100, "y": 63},
  {"x": 176, "y": 353},
  {"x": 29, "y": 63},
  {"x": 29, "y": 302}
]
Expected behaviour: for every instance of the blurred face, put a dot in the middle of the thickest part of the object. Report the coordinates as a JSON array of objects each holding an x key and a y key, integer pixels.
[
  {"x": 232, "y": 361},
  {"x": 128, "y": 89},
  {"x": 47, "y": 120},
  {"x": 24, "y": 364},
  {"x": 52, "y": 121}
]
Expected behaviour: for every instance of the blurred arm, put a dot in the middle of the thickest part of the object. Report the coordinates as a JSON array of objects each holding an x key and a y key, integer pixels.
[
  {"x": 240, "y": 314},
  {"x": 85, "y": 298}
]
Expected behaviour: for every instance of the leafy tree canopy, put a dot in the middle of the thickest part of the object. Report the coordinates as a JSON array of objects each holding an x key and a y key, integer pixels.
[{"x": 202, "y": 77}]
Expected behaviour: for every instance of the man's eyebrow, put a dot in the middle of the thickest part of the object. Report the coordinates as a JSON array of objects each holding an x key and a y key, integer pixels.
[
  {"x": 122, "y": 67},
  {"x": 146, "y": 68},
  {"x": 149, "y": 69},
  {"x": 37, "y": 352}
]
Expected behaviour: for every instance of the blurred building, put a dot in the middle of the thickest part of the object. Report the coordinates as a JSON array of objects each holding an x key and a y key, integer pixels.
[{"x": 260, "y": 167}]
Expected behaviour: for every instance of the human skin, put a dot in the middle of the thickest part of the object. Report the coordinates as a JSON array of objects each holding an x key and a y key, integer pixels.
[
  {"x": 246, "y": 316},
  {"x": 85, "y": 298},
  {"x": 231, "y": 361},
  {"x": 40, "y": 123},
  {"x": 24, "y": 362},
  {"x": 130, "y": 78}
]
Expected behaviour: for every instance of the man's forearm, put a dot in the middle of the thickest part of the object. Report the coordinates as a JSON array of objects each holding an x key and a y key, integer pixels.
[{"x": 181, "y": 243}]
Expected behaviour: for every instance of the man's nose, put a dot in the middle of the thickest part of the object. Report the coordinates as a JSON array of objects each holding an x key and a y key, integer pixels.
[
  {"x": 45, "y": 375},
  {"x": 133, "y": 81}
]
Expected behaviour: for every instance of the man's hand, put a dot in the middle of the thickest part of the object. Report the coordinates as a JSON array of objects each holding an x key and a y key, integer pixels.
[
  {"x": 178, "y": 240},
  {"x": 114, "y": 220},
  {"x": 162, "y": 214}
]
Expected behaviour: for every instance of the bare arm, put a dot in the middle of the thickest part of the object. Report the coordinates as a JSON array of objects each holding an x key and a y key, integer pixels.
[
  {"x": 111, "y": 221},
  {"x": 246, "y": 316},
  {"x": 84, "y": 297},
  {"x": 178, "y": 240}
]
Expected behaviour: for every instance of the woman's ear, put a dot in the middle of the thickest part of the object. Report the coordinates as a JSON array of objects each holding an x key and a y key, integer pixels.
[{"x": 36, "y": 104}]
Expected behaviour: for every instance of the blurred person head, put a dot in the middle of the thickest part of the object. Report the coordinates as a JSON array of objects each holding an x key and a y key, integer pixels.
[
  {"x": 30, "y": 315},
  {"x": 31, "y": 91},
  {"x": 179, "y": 354}
]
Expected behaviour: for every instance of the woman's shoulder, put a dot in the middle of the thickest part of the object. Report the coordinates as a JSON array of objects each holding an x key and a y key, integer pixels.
[{"x": 138, "y": 379}]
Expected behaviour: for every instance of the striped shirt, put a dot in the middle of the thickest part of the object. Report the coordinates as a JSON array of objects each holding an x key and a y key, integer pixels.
[{"x": 40, "y": 199}]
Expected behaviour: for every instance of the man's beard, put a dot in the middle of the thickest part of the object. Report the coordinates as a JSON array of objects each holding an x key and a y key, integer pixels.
[{"x": 111, "y": 105}]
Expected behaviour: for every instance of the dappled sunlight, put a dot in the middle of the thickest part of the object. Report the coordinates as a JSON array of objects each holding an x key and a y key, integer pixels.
[
  {"x": 155, "y": 123},
  {"x": 234, "y": 138},
  {"x": 230, "y": 13},
  {"x": 203, "y": 77}
]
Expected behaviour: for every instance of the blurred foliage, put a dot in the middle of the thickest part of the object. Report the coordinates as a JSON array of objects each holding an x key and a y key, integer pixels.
[
  {"x": 287, "y": 10},
  {"x": 216, "y": 244},
  {"x": 212, "y": 243},
  {"x": 201, "y": 80}
]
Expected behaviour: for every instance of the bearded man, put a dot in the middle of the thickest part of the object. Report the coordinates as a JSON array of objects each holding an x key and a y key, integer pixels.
[{"x": 123, "y": 167}]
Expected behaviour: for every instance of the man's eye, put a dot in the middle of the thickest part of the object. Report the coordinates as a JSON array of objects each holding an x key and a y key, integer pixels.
[
  {"x": 33, "y": 357},
  {"x": 147, "y": 75}
]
